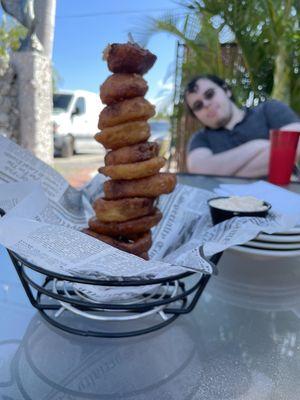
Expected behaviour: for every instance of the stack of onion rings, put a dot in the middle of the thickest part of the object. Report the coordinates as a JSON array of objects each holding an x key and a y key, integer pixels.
[{"x": 125, "y": 216}]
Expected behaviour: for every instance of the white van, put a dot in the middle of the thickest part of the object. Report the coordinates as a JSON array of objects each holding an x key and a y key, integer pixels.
[{"x": 75, "y": 120}]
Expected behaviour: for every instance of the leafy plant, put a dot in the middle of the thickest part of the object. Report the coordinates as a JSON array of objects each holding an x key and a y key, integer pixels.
[
  {"x": 267, "y": 33},
  {"x": 10, "y": 35},
  {"x": 253, "y": 44},
  {"x": 261, "y": 38}
]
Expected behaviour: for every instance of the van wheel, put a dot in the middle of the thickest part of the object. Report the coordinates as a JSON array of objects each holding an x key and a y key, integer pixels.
[{"x": 68, "y": 147}]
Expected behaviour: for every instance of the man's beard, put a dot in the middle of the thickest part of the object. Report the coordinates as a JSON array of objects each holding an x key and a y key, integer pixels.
[{"x": 223, "y": 121}]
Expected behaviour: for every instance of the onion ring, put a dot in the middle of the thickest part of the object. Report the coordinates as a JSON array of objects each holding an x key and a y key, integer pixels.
[
  {"x": 127, "y": 228},
  {"x": 132, "y": 154},
  {"x": 123, "y": 209},
  {"x": 144, "y": 255},
  {"x": 137, "y": 247},
  {"x": 119, "y": 87},
  {"x": 136, "y": 109},
  {"x": 152, "y": 186},
  {"x": 128, "y": 57},
  {"x": 124, "y": 135},
  {"x": 134, "y": 170}
]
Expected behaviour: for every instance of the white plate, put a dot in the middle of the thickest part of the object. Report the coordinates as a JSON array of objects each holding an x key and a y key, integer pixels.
[
  {"x": 265, "y": 253},
  {"x": 279, "y": 238},
  {"x": 292, "y": 231},
  {"x": 275, "y": 246}
]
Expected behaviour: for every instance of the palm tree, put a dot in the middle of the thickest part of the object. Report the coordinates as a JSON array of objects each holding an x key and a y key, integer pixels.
[
  {"x": 261, "y": 39},
  {"x": 267, "y": 32}
]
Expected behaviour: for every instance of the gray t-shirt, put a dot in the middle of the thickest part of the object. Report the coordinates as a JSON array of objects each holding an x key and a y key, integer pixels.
[{"x": 256, "y": 124}]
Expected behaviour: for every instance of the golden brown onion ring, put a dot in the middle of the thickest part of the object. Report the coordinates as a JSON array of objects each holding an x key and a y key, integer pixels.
[
  {"x": 127, "y": 228},
  {"x": 123, "y": 209},
  {"x": 128, "y": 57},
  {"x": 134, "y": 170},
  {"x": 137, "y": 247},
  {"x": 151, "y": 186},
  {"x": 119, "y": 87},
  {"x": 132, "y": 154},
  {"x": 124, "y": 135},
  {"x": 136, "y": 109},
  {"x": 144, "y": 255}
]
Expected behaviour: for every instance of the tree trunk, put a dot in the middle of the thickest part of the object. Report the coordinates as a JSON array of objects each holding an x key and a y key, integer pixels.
[{"x": 282, "y": 75}]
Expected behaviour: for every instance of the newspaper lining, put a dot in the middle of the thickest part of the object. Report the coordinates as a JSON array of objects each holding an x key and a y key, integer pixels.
[{"x": 45, "y": 215}]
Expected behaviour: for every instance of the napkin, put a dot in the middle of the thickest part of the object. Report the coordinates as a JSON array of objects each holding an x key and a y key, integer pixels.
[{"x": 283, "y": 201}]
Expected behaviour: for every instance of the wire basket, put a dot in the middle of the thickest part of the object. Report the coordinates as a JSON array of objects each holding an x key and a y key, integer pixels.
[{"x": 65, "y": 306}]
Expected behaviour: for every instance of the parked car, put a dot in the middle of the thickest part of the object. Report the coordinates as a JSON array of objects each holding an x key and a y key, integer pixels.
[{"x": 75, "y": 120}]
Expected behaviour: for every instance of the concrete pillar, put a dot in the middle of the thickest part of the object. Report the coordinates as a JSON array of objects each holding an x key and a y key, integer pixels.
[
  {"x": 35, "y": 103},
  {"x": 9, "y": 113}
]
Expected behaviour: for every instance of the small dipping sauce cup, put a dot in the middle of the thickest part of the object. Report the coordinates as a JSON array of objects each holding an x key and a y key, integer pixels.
[{"x": 219, "y": 215}]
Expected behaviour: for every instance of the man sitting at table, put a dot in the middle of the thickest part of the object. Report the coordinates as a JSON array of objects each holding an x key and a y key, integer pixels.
[{"x": 234, "y": 141}]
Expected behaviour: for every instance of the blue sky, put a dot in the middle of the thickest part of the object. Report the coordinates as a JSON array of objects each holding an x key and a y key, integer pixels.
[{"x": 79, "y": 41}]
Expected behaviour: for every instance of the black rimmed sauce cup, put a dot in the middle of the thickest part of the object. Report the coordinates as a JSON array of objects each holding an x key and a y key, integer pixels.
[{"x": 219, "y": 215}]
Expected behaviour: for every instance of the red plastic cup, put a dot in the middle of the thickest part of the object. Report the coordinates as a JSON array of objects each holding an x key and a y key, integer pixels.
[{"x": 282, "y": 156}]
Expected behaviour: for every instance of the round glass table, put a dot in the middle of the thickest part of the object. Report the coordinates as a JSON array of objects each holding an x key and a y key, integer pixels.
[{"x": 241, "y": 342}]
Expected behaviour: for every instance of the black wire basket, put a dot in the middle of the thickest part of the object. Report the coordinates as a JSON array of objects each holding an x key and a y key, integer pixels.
[{"x": 64, "y": 306}]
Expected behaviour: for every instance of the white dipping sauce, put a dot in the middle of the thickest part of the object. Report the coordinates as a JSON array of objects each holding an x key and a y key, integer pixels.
[{"x": 239, "y": 203}]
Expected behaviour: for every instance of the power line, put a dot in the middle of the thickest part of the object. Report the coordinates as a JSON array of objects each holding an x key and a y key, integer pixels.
[{"x": 121, "y": 12}]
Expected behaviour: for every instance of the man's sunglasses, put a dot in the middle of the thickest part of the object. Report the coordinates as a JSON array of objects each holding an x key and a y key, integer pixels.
[{"x": 208, "y": 95}]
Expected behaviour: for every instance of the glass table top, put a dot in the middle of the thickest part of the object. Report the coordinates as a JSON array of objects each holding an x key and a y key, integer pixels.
[{"x": 242, "y": 341}]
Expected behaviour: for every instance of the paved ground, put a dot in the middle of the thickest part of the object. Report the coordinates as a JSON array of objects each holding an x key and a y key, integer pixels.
[{"x": 79, "y": 169}]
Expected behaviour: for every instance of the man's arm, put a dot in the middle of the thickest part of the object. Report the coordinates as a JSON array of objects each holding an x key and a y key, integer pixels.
[
  {"x": 294, "y": 126},
  {"x": 258, "y": 166},
  {"x": 229, "y": 162}
]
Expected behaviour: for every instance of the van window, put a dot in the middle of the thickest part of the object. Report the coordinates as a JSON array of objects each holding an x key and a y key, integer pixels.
[
  {"x": 80, "y": 105},
  {"x": 61, "y": 101}
]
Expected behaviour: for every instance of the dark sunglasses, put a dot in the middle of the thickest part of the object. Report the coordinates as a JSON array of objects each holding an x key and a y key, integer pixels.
[{"x": 208, "y": 95}]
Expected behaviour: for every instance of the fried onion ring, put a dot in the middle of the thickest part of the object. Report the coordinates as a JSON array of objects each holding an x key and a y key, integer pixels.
[
  {"x": 124, "y": 135},
  {"x": 136, "y": 109},
  {"x": 119, "y": 87},
  {"x": 127, "y": 228},
  {"x": 128, "y": 57},
  {"x": 152, "y": 186},
  {"x": 137, "y": 247},
  {"x": 145, "y": 255},
  {"x": 134, "y": 170},
  {"x": 123, "y": 209},
  {"x": 132, "y": 154}
]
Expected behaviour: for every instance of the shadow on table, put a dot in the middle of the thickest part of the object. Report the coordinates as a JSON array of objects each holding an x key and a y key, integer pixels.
[
  {"x": 168, "y": 364},
  {"x": 214, "y": 353},
  {"x": 50, "y": 364}
]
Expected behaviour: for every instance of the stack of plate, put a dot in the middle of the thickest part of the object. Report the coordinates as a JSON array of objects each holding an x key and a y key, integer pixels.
[{"x": 283, "y": 244}]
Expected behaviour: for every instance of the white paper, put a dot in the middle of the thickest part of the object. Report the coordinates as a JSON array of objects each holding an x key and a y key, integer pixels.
[
  {"x": 68, "y": 206},
  {"x": 43, "y": 228}
]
